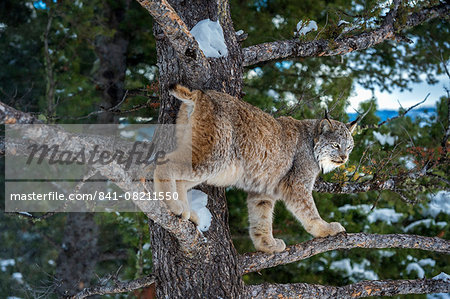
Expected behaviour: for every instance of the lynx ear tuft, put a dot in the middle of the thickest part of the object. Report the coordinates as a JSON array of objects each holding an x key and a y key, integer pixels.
[
  {"x": 325, "y": 125},
  {"x": 351, "y": 126}
]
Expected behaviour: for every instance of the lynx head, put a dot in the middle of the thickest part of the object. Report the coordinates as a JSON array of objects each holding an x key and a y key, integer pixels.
[{"x": 333, "y": 143}]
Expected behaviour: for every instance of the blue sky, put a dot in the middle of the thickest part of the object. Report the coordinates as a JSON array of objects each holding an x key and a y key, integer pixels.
[{"x": 407, "y": 98}]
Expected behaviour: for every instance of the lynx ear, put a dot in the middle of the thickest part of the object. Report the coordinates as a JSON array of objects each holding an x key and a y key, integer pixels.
[
  {"x": 325, "y": 125},
  {"x": 351, "y": 126}
]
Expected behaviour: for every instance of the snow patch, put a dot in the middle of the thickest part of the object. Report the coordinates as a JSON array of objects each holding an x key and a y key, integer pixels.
[
  {"x": 210, "y": 39},
  {"x": 364, "y": 208},
  {"x": 387, "y": 215},
  {"x": 278, "y": 21},
  {"x": 17, "y": 276},
  {"x": 256, "y": 72},
  {"x": 409, "y": 162},
  {"x": 443, "y": 276},
  {"x": 305, "y": 28},
  {"x": 342, "y": 22},
  {"x": 6, "y": 263},
  {"x": 273, "y": 94},
  {"x": 26, "y": 214},
  {"x": 198, "y": 201},
  {"x": 439, "y": 203},
  {"x": 415, "y": 267},
  {"x": 385, "y": 138},
  {"x": 355, "y": 271},
  {"x": 427, "y": 262},
  {"x": 386, "y": 253},
  {"x": 425, "y": 222}
]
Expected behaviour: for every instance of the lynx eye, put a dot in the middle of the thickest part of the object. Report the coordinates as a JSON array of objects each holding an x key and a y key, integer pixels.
[{"x": 336, "y": 145}]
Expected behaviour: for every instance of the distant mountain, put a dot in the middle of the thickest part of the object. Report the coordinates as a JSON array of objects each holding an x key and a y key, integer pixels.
[{"x": 385, "y": 114}]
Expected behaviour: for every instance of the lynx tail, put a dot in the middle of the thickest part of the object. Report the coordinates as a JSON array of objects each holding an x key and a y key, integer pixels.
[{"x": 182, "y": 93}]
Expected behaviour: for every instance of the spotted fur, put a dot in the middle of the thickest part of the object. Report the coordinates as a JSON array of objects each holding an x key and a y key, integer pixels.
[{"x": 236, "y": 144}]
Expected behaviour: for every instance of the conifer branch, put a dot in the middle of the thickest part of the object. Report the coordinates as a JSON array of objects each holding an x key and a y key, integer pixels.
[{"x": 294, "y": 48}]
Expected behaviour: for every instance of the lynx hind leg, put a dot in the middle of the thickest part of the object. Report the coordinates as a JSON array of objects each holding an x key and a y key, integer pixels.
[
  {"x": 305, "y": 210},
  {"x": 260, "y": 210},
  {"x": 164, "y": 180},
  {"x": 182, "y": 188}
]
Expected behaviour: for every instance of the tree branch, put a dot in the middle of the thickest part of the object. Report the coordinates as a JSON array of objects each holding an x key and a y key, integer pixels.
[
  {"x": 356, "y": 187},
  {"x": 256, "y": 261},
  {"x": 189, "y": 238},
  {"x": 116, "y": 287},
  {"x": 9, "y": 115},
  {"x": 294, "y": 48},
  {"x": 178, "y": 35},
  {"x": 356, "y": 290}
]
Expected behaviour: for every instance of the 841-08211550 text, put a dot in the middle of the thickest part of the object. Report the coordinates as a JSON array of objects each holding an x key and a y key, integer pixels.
[{"x": 102, "y": 196}]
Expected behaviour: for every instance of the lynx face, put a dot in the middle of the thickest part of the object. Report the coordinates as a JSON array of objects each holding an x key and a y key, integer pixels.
[{"x": 333, "y": 146}]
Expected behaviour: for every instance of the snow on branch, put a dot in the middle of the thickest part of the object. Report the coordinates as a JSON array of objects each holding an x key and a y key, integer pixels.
[
  {"x": 114, "y": 286},
  {"x": 178, "y": 34},
  {"x": 294, "y": 48},
  {"x": 256, "y": 261},
  {"x": 356, "y": 290}
]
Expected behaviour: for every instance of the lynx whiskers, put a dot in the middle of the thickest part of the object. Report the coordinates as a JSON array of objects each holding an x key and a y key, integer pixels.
[{"x": 236, "y": 144}]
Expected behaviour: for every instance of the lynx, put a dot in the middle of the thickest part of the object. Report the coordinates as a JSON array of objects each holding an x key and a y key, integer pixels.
[{"x": 236, "y": 144}]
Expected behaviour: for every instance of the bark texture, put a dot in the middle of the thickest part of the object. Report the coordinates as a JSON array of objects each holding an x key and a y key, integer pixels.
[
  {"x": 9, "y": 116},
  {"x": 115, "y": 286},
  {"x": 356, "y": 290},
  {"x": 253, "y": 262},
  {"x": 213, "y": 271},
  {"x": 78, "y": 254}
]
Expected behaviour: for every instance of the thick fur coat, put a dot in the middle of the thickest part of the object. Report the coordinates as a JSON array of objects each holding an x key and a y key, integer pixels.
[{"x": 236, "y": 144}]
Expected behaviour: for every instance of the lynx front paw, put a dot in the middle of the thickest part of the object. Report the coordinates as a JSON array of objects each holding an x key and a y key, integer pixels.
[
  {"x": 320, "y": 228},
  {"x": 270, "y": 245},
  {"x": 336, "y": 228}
]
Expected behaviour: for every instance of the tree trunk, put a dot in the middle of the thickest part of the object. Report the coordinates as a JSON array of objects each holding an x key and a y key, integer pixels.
[
  {"x": 213, "y": 272},
  {"x": 111, "y": 52},
  {"x": 79, "y": 254}
]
